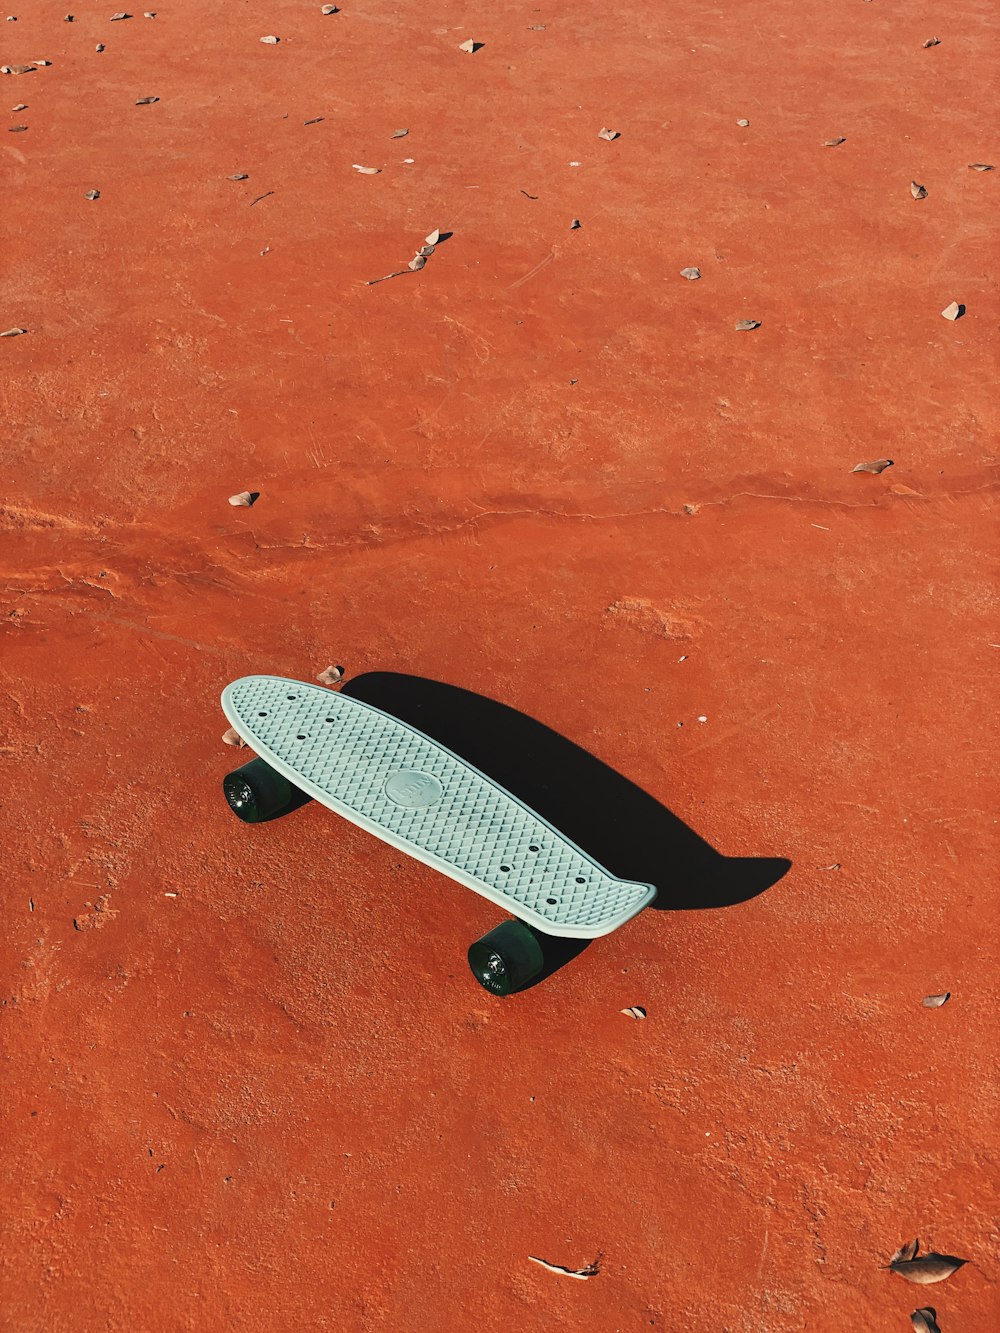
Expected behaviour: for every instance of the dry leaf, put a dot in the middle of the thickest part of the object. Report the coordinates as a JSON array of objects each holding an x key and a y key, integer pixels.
[
  {"x": 17, "y": 69},
  {"x": 745, "y": 325},
  {"x": 270, "y": 41},
  {"x": 906, "y": 1252},
  {"x": 147, "y": 101},
  {"x": 932, "y": 41},
  {"x": 426, "y": 251},
  {"x": 918, "y": 191},
  {"x": 416, "y": 263},
  {"x": 92, "y": 194},
  {"x": 21, "y": 106},
  {"x": 433, "y": 237},
  {"x": 67, "y": 18},
  {"x": 743, "y": 124},
  {"x": 331, "y": 675},
  {"x": 634, "y": 1011},
  {"x": 115, "y": 17},
  {"x": 878, "y": 466},
  {"x": 399, "y": 134},
  {"x": 590, "y": 1271},
  {"x": 954, "y": 311},
  {"x": 99, "y": 47},
  {"x": 315, "y": 120},
  {"x": 692, "y": 274},
  {"x": 149, "y": 13},
  {"x": 575, "y": 225},
  {"x": 470, "y": 46},
  {"x": 239, "y": 176},
  {"x": 17, "y": 129},
  {"x": 329, "y": 9},
  {"x": 43, "y": 63},
  {"x": 924, "y": 1320},
  {"x": 609, "y": 135},
  {"x": 927, "y": 1269},
  {"x": 980, "y": 166},
  {"x": 536, "y": 27},
  {"x": 233, "y": 737},
  {"x": 245, "y": 499},
  {"x": 936, "y": 1001},
  {"x": 366, "y": 171},
  {"x": 834, "y": 143},
  {"x": 835, "y": 866},
  {"x": 12, "y": 333}
]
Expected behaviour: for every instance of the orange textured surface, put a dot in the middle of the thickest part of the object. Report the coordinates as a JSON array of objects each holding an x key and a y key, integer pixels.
[{"x": 254, "y": 1086}]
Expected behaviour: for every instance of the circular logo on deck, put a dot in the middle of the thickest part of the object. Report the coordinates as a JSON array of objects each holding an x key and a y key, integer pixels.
[{"x": 412, "y": 788}]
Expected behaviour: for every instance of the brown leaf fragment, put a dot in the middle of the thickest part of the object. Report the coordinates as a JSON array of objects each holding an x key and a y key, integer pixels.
[
  {"x": 99, "y": 47},
  {"x": 928, "y": 1268},
  {"x": 591, "y": 1270},
  {"x": 416, "y": 263},
  {"x": 259, "y": 198},
  {"x": 233, "y": 737},
  {"x": 834, "y": 866},
  {"x": 879, "y": 465},
  {"x": 931, "y": 41},
  {"x": 92, "y": 195},
  {"x": 147, "y": 101},
  {"x": 17, "y": 69},
  {"x": 399, "y": 134},
  {"x": 433, "y": 237},
  {"x": 980, "y": 166},
  {"x": 67, "y": 18},
  {"x": 116, "y": 17},
  {"x": 43, "y": 64},
  {"x": 575, "y": 225},
  {"x": 936, "y": 1001},
  {"x": 426, "y": 251},
  {"x": 835, "y": 143},
  {"x": 21, "y": 106},
  {"x": 918, "y": 191},
  {"x": 366, "y": 171},
  {"x": 906, "y": 1252},
  {"x": 954, "y": 311},
  {"x": 692, "y": 274},
  {"x": 149, "y": 13},
  {"x": 17, "y": 129},
  {"x": 924, "y": 1320},
  {"x": 270, "y": 41},
  {"x": 12, "y": 333},
  {"x": 634, "y": 1011},
  {"x": 536, "y": 27},
  {"x": 609, "y": 135},
  {"x": 315, "y": 120},
  {"x": 329, "y": 9},
  {"x": 331, "y": 675},
  {"x": 239, "y": 176},
  {"x": 245, "y": 499},
  {"x": 745, "y": 325},
  {"x": 743, "y": 124},
  {"x": 470, "y": 47}
]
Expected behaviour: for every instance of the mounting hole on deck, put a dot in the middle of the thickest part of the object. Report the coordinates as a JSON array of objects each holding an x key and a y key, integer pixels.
[{"x": 506, "y": 958}]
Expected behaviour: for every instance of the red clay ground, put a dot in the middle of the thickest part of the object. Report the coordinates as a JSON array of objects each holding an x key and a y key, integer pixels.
[{"x": 544, "y": 469}]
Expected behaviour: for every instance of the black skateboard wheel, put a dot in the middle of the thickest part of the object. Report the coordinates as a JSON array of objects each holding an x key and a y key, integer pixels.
[
  {"x": 506, "y": 958},
  {"x": 257, "y": 792}
]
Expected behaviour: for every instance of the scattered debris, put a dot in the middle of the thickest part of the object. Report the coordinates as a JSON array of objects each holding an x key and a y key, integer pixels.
[
  {"x": 634, "y": 1011},
  {"x": 575, "y": 225},
  {"x": 980, "y": 166},
  {"x": 21, "y": 106},
  {"x": 245, "y": 499},
  {"x": 591, "y": 1270},
  {"x": 331, "y": 675},
  {"x": 609, "y": 135},
  {"x": 92, "y": 195},
  {"x": 233, "y": 737},
  {"x": 147, "y": 101},
  {"x": 924, "y": 1320},
  {"x": 270, "y": 41},
  {"x": 366, "y": 171},
  {"x": 536, "y": 27},
  {"x": 417, "y": 263},
  {"x": 835, "y": 143},
  {"x": 433, "y": 238},
  {"x": 529, "y": 196},
  {"x": 835, "y": 866},
  {"x": 12, "y": 333},
  {"x": 43, "y": 64},
  {"x": 315, "y": 120},
  {"x": 239, "y": 176},
  {"x": 745, "y": 325},
  {"x": 954, "y": 311},
  {"x": 918, "y": 191},
  {"x": 931, "y": 41},
  {"x": 259, "y": 198},
  {"x": 17, "y": 69},
  {"x": 99, "y": 47},
  {"x": 470, "y": 47},
  {"x": 149, "y": 13},
  {"x": 702, "y": 718},
  {"x": 936, "y": 1001},
  {"x": 115, "y": 17},
  {"x": 399, "y": 134},
  {"x": 266, "y": 251},
  {"x": 17, "y": 129},
  {"x": 906, "y": 1252},
  {"x": 329, "y": 9},
  {"x": 692, "y": 274},
  {"x": 67, "y": 18},
  {"x": 879, "y": 465},
  {"x": 743, "y": 124}
]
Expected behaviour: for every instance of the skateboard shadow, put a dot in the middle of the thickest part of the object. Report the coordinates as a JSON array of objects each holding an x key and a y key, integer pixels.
[{"x": 622, "y": 827}]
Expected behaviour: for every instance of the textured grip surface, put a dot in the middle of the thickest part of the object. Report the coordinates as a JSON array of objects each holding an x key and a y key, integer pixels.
[{"x": 412, "y": 792}]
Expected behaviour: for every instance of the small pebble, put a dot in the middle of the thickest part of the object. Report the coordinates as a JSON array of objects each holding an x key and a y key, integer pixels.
[{"x": 92, "y": 194}]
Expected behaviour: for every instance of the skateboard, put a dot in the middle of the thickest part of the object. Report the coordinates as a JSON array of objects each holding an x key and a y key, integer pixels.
[{"x": 405, "y": 788}]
